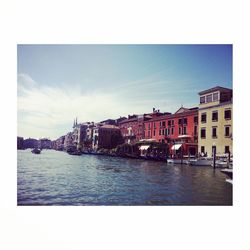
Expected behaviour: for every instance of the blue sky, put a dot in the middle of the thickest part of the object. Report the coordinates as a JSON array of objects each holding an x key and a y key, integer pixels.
[{"x": 94, "y": 82}]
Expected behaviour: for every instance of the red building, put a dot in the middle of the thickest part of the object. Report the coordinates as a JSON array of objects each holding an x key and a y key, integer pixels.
[
  {"x": 179, "y": 130},
  {"x": 132, "y": 129}
]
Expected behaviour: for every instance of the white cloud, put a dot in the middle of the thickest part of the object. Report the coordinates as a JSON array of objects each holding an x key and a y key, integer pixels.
[{"x": 47, "y": 111}]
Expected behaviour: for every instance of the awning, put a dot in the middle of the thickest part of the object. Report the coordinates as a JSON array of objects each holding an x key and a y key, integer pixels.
[
  {"x": 176, "y": 146},
  {"x": 184, "y": 136},
  {"x": 144, "y": 147}
]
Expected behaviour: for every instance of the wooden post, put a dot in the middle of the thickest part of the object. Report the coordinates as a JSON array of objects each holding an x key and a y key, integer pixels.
[
  {"x": 214, "y": 157},
  {"x": 228, "y": 160},
  {"x": 181, "y": 155}
]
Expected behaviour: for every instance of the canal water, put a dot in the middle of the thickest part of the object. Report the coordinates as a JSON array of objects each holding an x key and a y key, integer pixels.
[{"x": 56, "y": 178}]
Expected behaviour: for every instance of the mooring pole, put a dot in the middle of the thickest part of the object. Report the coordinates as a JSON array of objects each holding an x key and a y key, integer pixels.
[
  {"x": 181, "y": 155},
  {"x": 228, "y": 160},
  {"x": 214, "y": 157}
]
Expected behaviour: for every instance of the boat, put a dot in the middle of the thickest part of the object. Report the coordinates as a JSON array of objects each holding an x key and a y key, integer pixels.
[
  {"x": 222, "y": 163},
  {"x": 229, "y": 173},
  {"x": 74, "y": 153},
  {"x": 36, "y": 151},
  {"x": 177, "y": 161},
  {"x": 203, "y": 161}
]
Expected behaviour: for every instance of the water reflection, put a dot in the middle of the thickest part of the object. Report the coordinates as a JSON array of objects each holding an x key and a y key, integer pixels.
[{"x": 56, "y": 178}]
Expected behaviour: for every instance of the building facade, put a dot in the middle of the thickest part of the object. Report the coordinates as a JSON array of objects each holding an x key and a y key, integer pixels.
[
  {"x": 178, "y": 130},
  {"x": 132, "y": 128},
  {"x": 20, "y": 144},
  {"x": 106, "y": 137},
  {"x": 44, "y": 143},
  {"x": 216, "y": 121}
]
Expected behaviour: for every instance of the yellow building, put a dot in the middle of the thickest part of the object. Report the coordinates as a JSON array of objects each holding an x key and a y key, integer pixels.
[{"x": 215, "y": 121}]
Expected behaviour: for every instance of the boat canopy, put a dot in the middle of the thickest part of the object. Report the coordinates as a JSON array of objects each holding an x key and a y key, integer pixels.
[
  {"x": 144, "y": 147},
  {"x": 176, "y": 146}
]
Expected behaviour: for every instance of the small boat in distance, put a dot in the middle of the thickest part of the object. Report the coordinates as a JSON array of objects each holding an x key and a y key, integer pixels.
[{"x": 36, "y": 151}]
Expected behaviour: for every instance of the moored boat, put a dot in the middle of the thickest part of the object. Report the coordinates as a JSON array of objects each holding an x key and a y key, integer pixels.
[
  {"x": 36, "y": 151},
  {"x": 204, "y": 161},
  {"x": 229, "y": 173},
  {"x": 177, "y": 161}
]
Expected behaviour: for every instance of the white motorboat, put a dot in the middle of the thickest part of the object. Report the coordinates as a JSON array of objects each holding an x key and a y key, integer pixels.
[
  {"x": 204, "y": 161},
  {"x": 177, "y": 161},
  {"x": 229, "y": 173}
]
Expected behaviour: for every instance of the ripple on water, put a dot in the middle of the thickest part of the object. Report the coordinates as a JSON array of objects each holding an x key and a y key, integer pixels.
[{"x": 56, "y": 178}]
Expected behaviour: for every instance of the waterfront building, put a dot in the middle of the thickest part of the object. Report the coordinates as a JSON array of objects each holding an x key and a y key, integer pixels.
[
  {"x": 30, "y": 143},
  {"x": 58, "y": 144},
  {"x": 79, "y": 134},
  {"x": 44, "y": 143},
  {"x": 132, "y": 128},
  {"x": 68, "y": 142},
  {"x": 216, "y": 121},
  {"x": 106, "y": 137},
  {"x": 20, "y": 144},
  {"x": 178, "y": 130}
]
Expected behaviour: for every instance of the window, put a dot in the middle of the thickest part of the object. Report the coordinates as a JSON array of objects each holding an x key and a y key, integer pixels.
[
  {"x": 227, "y": 131},
  {"x": 166, "y": 131},
  {"x": 154, "y": 133},
  {"x": 215, "y": 116},
  {"x": 148, "y": 134},
  {"x": 172, "y": 123},
  {"x": 203, "y": 149},
  {"x": 195, "y": 130},
  {"x": 227, "y": 151},
  {"x": 195, "y": 119},
  {"x": 160, "y": 124},
  {"x": 163, "y": 132},
  {"x": 214, "y": 132},
  {"x": 172, "y": 131},
  {"x": 215, "y": 96},
  {"x": 179, "y": 130},
  {"x": 184, "y": 130},
  {"x": 180, "y": 121},
  {"x": 159, "y": 132},
  {"x": 169, "y": 123},
  {"x": 154, "y": 125},
  {"x": 185, "y": 121},
  {"x": 227, "y": 114},
  {"x": 203, "y": 133},
  {"x": 209, "y": 98},
  {"x": 149, "y": 126},
  {"x": 164, "y": 124},
  {"x": 203, "y": 117},
  {"x": 202, "y": 99}
]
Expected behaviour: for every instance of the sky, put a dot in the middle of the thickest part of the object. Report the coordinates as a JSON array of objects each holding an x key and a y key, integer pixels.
[{"x": 56, "y": 83}]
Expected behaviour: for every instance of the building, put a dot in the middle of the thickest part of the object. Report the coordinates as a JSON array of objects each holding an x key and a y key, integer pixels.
[
  {"x": 58, "y": 144},
  {"x": 30, "y": 143},
  {"x": 44, "y": 143},
  {"x": 106, "y": 137},
  {"x": 68, "y": 142},
  {"x": 20, "y": 141},
  {"x": 132, "y": 128},
  {"x": 216, "y": 121},
  {"x": 178, "y": 130}
]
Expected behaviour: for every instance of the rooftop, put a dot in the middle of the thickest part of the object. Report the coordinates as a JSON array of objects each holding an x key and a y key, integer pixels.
[{"x": 217, "y": 88}]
